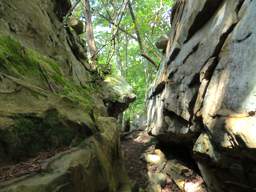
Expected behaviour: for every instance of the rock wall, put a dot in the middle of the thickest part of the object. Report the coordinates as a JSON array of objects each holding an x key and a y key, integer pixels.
[
  {"x": 50, "y": 99},
  {"x": 204, "y": 96}
]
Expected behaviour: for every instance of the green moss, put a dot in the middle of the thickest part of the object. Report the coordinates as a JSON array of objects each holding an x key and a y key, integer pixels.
[
  {"x": 118, "y": 88},
  {"x": 39, "y": 70},
  {"x": 32, "y": 132},
  {"x": 12, "y": 56}
]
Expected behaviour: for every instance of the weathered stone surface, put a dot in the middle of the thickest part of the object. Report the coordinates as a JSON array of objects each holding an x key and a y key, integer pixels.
[
  {"x": 162, "y": 42},
  {"x": 50, "y": 98},
  {"x": 166, "y": 173},
  {"x": 208, "y": 88},
  {"x": 88, "y": 167},
  {"x": 117, "y": 94},
  {"x": 76, "y": 25}
]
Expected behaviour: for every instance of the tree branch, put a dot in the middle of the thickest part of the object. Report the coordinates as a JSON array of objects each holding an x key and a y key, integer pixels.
[
  {"x": 149, "y": 59},
  {"x": 120, "y": 28},
  {"x": 135, "y": 26},
  {"x": 139, "y": 39}
]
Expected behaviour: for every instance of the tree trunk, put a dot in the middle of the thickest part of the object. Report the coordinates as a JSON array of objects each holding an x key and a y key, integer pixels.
[
  {"x": 90, "y": 35},
  {"x": 139, "y": 39}
]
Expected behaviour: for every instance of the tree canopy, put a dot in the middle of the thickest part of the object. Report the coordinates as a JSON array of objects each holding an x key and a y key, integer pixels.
[{"x": 125, "y": 33}]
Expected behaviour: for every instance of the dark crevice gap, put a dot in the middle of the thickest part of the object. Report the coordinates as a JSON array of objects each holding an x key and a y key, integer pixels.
[
  {"x": 203, "y": 129},
  {"x": 177, "y": 13},
  {"x": 173, "y": 71},
  {"x": 195, "y": 81},
  {"x": 210, "y": 71},
  {"x": 195, "y": 48},
  {"x": 159, "y": 89},
  {"x": 173, "y": 115},
  {"x": 173, "y": 56},
  {"x": 181, "y": 152},
  {"x": 240, "y": 4},
  {"x": 61, "y": 8},
  {"x": 192, "y": 103},
  {"x": 244, "y": 38},
  {"x": 176, "y": 9},
  {"x": 222, "y": 40},
  {"x": 207, "y": 75},
  {"x": 76, "y": 50},
  {"x": 217, "y": 51},
  {"x": 195, "y": 84},
  {"x": 115, "y": 108},
  {"x": 174, "y": 12},
  {"x": 203, "y": 17}
]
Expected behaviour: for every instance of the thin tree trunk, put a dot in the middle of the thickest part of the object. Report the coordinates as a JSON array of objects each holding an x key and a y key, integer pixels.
[
  {"x": 119, "y": 18},
  {"x": 158, "y": 55},
  {"x": 139, "y": 39},
  {"x": 119, "y": 64},
  {"x": 135, "y": 25},
  {"x": 126, "y": 54},
  {"x": 90, "y": 35}
]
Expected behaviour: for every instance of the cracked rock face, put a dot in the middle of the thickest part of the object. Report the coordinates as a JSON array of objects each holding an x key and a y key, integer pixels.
[
  {"x": 51, "y": 101},
  {"x": 205, "y": 91}
]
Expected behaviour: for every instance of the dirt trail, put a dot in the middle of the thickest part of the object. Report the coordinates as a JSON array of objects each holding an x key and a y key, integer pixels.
[
  {"x": 134, "y": 147},
  {"x": 132, "y": 150},
  {"x": 146, "y": 175}
]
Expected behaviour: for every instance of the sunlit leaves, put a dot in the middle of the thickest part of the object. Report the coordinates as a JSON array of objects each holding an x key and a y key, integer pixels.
[{"x": 153, "y": 20}]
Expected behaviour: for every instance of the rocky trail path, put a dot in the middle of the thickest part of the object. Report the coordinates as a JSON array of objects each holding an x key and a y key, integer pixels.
[{"x": 150, "y": 170}]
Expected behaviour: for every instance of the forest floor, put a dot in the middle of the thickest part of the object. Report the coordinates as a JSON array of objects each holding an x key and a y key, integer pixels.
[
  {"x": 134, "y": 147},
  {"x": 147, "y": 172},
  {"x": 144, "y": 174},
  {"x": 132, "y": 152}
]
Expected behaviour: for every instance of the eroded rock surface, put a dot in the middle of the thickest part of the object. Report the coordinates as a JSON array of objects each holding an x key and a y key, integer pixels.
[
  {"x": 117, "y": 94},
  {"x": 204, "y": 95},
  {"x": 50, "y": 99}
]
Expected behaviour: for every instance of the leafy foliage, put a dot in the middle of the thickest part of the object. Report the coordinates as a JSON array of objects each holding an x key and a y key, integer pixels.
[{"x": 117, "y": 41}]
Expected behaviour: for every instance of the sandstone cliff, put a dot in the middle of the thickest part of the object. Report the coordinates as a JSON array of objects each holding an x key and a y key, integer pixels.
[{"x": 204, "y": 96}]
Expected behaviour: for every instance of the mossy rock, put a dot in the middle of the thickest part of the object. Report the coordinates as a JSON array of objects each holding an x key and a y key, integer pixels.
[
  {"x": 32, "y": 134},
  {"x": 41, "y": 109},
  {"x": 90, "y": 167},
  {"x": 40, "y": 73}
]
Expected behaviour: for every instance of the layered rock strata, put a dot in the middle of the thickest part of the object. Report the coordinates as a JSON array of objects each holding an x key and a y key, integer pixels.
[{"x": 205, "y": 96}]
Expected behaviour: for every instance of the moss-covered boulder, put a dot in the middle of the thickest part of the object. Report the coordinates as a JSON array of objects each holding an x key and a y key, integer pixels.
[{"x": 117, "y": 94}]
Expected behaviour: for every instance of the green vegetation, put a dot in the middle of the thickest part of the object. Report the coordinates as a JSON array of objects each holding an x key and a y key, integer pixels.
[
  {"x": 38, "y": 130},
  {"x": 119, "y": 48},
  {"x": 29, "y": 67}
]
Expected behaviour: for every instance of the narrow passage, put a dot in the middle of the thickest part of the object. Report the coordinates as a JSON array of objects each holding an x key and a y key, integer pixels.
[{"x": 150, "y": 170}]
